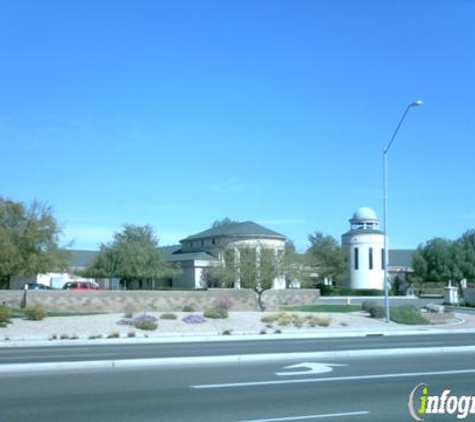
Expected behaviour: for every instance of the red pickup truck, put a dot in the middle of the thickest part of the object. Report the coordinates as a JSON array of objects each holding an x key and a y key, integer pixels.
[{"x": 80, "y": 286}]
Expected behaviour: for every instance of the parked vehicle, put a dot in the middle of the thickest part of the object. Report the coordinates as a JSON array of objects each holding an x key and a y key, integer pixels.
[
  {"x": 81, "y": 285},
  {"x": 36, "y": 286}
]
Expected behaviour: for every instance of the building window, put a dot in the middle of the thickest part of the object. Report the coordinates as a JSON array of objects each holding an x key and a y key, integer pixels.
[
  {"x": 370, "y": 258},
  {"x": 356, "y": 259},
  {"x": 213, "y": 242},
  {"x": 383, "y": 259}
]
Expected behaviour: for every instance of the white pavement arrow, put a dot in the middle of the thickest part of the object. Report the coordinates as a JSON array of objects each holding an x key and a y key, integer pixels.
[{"x": 312, "y": 368}]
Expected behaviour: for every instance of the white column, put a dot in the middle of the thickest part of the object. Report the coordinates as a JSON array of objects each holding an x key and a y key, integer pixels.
[
  {"x": 258, "y": 266},
  {"x": 237, "y": 266}
]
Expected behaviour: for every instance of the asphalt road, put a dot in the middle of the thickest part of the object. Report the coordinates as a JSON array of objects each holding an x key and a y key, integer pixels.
[
  {"x": 357, "y": 389},
  {"x": 94, "y": 352}
]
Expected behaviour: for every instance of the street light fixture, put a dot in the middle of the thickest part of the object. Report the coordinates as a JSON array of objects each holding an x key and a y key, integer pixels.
[{"x": 385, "y": 200}]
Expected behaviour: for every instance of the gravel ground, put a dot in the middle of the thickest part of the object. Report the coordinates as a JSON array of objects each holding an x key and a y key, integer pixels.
[{"x": 84, "y": 327}]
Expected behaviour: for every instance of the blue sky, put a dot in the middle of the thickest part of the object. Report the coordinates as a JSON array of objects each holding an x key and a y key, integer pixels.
[{"x": 178, "y": 113}]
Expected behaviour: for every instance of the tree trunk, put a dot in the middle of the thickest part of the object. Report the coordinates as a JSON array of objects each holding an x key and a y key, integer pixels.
[{"x": 260, "y": 302}]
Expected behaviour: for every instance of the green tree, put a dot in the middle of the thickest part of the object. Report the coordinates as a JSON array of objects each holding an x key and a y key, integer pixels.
[
  {"x": 29, "y": 240},
  {"x": 133, "y": 257},
  {"x": 326, "y": 256},
  {"x": 438, "y": 260},
  {"x": 465, "y": 250},
  {"x": 256, "y": 268},
  {"x": 226, "y": 221}
]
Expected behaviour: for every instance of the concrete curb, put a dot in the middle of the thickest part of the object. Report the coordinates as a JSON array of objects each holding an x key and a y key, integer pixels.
[{"x": 230, "y": 359}]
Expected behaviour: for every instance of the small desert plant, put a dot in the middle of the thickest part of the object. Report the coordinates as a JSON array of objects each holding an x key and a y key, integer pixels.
[
  {"x": 317, "y": 320},
  {"x": 168, "y": 316},
  {"x": 226, "y": 332},
  {"x": 216, "y": 313},
  {"x": 64, "y": 337},
  {"x": 284, "y": 322},
  {"x": 377, "y": 312},
  {"x": 277, "y": 332},
  {"x": 138, "y": 320},
  {"x": 324, "y": 322},
  {"x": 95, "y": 337},
  {"x": 223, "y": 303},
  {"x": 128, "y": 311},
  {"x": 263, "y": 332},
  {"x": 269, "y": 319},
  {"x": 5, "y": 315},
  {"x": 35, "y": 313},
  {"x": 131, "y": 334},
  {"x": 114, "y": 335},
  {"x": 343, "y": 324},
  {"x": 146, "y": 325},
  {"x": 54, "y": 337},
  {"x": 193, "y": 319},
  {"x": 367, "y": 305},
  {"x": 188, "y": 308}
]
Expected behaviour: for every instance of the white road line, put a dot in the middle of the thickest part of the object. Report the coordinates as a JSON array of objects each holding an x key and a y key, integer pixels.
[
  {"x": 301, "y": 418},
  {"x": 88, "y": 355},
  {"x": 330, "y": 379}
]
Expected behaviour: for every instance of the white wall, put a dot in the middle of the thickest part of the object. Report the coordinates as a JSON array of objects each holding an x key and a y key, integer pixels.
[{"x": 364, "y": 277}]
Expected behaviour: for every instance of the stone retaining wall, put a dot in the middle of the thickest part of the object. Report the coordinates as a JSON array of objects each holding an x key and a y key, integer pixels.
[{"x": 162, "y": 301}]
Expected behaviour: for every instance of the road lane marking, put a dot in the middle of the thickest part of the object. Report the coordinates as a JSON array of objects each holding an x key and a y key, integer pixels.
[
  {"x": 59, "y": 356},
  {"x": 334, "y": 379},
  {"x": 301, "y": 418},
  {"x": 311, "y": 368}
]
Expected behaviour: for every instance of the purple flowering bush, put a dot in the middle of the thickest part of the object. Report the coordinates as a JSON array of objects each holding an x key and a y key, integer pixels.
[
  {"x": 223, "y": 303},
  {"x": 193, "y": 319}
]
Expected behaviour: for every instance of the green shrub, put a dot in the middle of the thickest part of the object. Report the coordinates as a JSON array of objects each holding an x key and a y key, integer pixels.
[
  {"x": 35, "y": 313},
  {"x": 377, "y": 312},
  {"x": 318, "y": 320},
  {"x": 407, "y": 314},
  {"x": 146, "y": 325},
  {"x": 188, "y": 308},
  {"x": 268, "y": 319},
  {"x": 324, "y": 322},
  {"x": 5, "y": 315},
  {"x": 114, "y": 335},
  {"x": 346, "y": 291},
  {"x": 368, "y": 304},
  {"x": 96, "y": 337},
  {"x": 168, "y": 316},
  {"x": 216, "y": 313},
  {"x": 131, "y": 334}
]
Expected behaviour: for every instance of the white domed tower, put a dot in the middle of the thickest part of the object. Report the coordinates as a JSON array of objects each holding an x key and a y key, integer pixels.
[{"x": 364, "y": 249}]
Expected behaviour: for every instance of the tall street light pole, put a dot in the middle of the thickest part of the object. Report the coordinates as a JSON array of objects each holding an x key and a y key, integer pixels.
[{"x": 385, "y": 200}]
